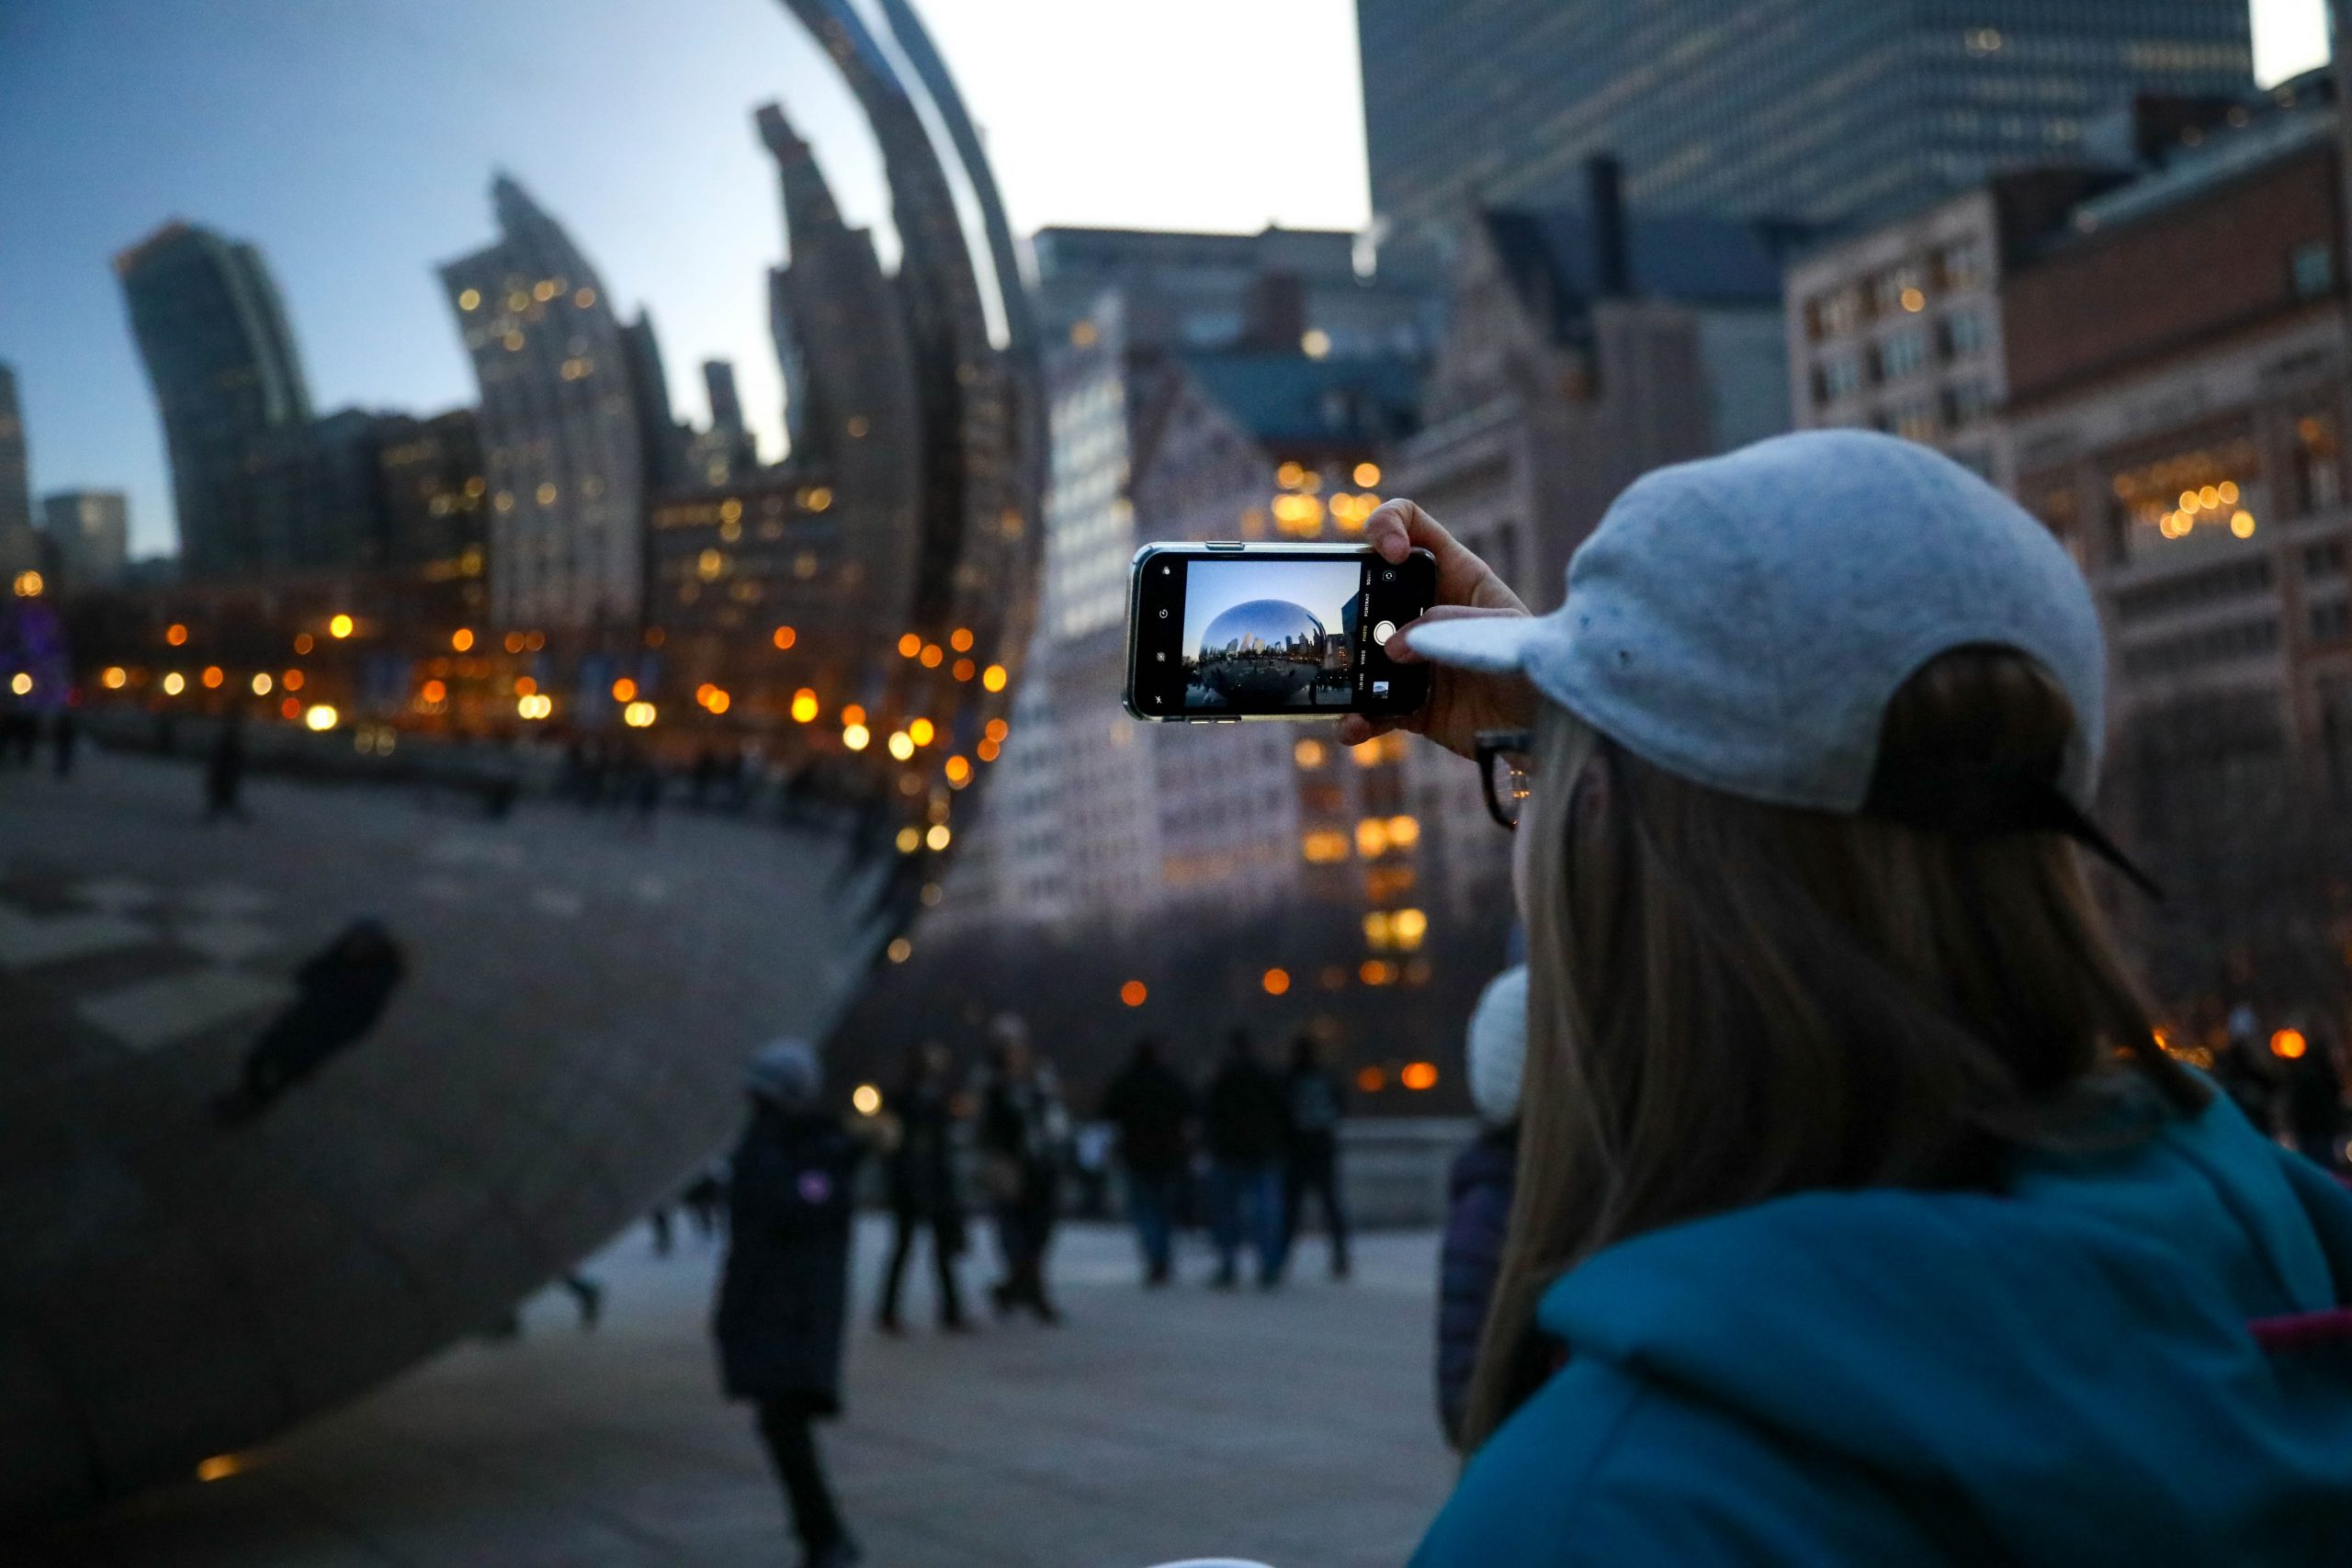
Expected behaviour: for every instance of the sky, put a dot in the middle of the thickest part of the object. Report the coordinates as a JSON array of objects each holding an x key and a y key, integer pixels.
[{"x": 354, "y": 141}]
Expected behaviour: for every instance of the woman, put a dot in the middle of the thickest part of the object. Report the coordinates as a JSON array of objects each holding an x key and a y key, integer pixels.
[
  {"x": 1859, "y": 1218},
  {"x": 922, "y": 1186},
  {"x": 1023, "y": 1130},
  {"x": 785, "y": 1290}
]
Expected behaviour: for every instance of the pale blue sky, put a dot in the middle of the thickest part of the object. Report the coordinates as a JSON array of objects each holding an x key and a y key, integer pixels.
[{"x": 354, "y": 141}]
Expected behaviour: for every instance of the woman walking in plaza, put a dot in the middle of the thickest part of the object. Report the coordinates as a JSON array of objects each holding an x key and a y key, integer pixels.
[
  {"x": 1024, "y": 1131},
  {"x": 784, "y": 1292},
  {"x": 1860, "y": 1218},
  {"x": 922, "y": 1186}
]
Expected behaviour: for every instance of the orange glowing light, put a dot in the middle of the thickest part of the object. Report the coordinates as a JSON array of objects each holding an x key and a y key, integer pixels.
[
  {"x": 339, "y": 625},
  {"x": 434, "y": 692},
  {"x": 987, "y": 750},
  {"x": 524, "y": 686},
  {"x": 1276, "y": 981},
  {"x": 624, "y": 690},
  {"x": 1419, "y": 1075},
  {"x": 932, "y": 654},
  {"x": 921, "y": 731},
  {"x": 958, "y": 771},
  {"x": 962, "y": 641},
  {"x": 213, "y": 675},
  {"x": 290, "y": 708},
  {"x": 804, "y": 706},
  {"x": 910, "y": 645},
  {"x": 175, "y": 634},
  {"x": 1372, "y": 1080},
  {"x": 997, "y": 729},
  {"x": 702, "y": 691},
  {"x": 993, "y": 677},
  {"x": 461, "y": 639},
  {"x": 852, "y": 714},
  {"x": 291, "y": 679},
  {"x": 786, "y": 637},
  {"x": 965, "y": 670},
  {"x": 1133, "y": 993},
  {"x": 2289, "y": 1045},
  {"x": 719, "y": 702}
]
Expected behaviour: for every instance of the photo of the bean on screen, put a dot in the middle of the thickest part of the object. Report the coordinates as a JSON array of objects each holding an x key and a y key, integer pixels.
[{"x": 1261, "y": 634}]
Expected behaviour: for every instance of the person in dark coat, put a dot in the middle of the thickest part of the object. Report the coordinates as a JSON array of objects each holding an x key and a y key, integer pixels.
[
  {"x": 1245, "y": 1122},
  {"x": 922, "y": 1186},
  {"x": 1313, "y": 1103},
  {"x": 2311, "y": 1100},
  {"x": 1152, "y": 1111},
  {"x": 1023, "y": 1130},
  {"x": 1478, "y": 1192},
  {"x": 340, "y": 992},
  {"x": 784, "y": 1294},
  {"x": 224, "y": 773}
]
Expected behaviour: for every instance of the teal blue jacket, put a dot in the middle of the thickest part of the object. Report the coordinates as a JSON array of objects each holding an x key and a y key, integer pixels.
[{"x": 2138, "y": 1357}]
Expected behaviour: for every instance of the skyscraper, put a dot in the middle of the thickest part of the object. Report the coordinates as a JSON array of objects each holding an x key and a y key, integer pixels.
[
  {"x": 1816, "y": 110},
  {"x": 19, "y": 548},
  {"x": 213, "y": 334},
  {"x": 90, "y": 532},
  {"x": 562, "y": 437}
]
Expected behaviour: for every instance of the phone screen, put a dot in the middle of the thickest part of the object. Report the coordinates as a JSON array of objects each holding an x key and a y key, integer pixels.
[{"x": 1260, "y": 634}]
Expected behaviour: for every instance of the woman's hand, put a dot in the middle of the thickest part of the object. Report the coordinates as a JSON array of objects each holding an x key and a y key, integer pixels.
[{"x": 1462, "y": 702}]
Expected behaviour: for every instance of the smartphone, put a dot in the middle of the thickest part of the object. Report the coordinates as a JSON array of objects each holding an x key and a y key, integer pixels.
[{"x": 1225, "y": 631}]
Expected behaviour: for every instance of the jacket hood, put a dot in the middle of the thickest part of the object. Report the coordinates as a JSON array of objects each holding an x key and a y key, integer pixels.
[{"x": 2068, "y": 1372}]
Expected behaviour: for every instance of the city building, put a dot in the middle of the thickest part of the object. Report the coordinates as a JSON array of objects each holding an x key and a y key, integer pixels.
[
  {"x": 563, "y": 436},
  {"x": 213, "y": 334},
  {"x": 1898, "y": 328},
  {"x": 1585, "y": 348},
  {"x": 726, "y": 449},
  {"x": 1131, "y": 321},
  {"x": 88, "y": 535},
  {"x": 435, "y": 509},
  {"x": 2155, "y": 366},
  {"x": 667, "y": 441},
  {"x": 20, "y": 547},
  {"x": 1814, "y": 109}
]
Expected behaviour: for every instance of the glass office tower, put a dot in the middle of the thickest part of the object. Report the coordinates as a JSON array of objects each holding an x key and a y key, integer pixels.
[{"x": 1814, "y": 109}]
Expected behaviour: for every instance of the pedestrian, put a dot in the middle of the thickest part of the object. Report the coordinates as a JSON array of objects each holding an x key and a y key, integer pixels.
[
  {"x": 923, "y": 1185},
  {"x": 784, "y": 1293},
  {"x": 224, "y": 772},
  {"x": 1313, "y": 1103},
  {"x": 1478, "y": 1191},
  {"x": 1022, "y": 1134},
  {"x": 2311, "y": 1100},
  {"x": 1151, "y": 1111},
  {"x": 1860, "y": 1216},
  {"x": 1244, "y": 1127}
]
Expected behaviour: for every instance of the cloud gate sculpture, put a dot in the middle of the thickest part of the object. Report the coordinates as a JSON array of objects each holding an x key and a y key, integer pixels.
[{"x": 405, "y": 935}]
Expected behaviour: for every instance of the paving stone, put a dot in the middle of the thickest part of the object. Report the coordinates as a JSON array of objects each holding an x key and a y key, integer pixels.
[{"x": 1294, "y": 1428}]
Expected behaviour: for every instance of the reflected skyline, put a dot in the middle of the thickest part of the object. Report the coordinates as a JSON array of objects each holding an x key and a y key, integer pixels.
[{"x": 353, "y": 150}]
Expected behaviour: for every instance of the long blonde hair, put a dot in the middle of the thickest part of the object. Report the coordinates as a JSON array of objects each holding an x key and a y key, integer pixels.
[{"x": 1730, "y": 1000}]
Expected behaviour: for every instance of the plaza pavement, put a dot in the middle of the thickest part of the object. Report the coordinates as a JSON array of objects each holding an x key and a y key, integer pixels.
[{"x": 1294, "y": 1428}]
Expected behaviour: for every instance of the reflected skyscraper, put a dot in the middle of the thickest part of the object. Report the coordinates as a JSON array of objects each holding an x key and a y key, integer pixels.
[
  {"x": 1813, "y": 109},
  {"x": 562, "y": 439},
  {"x": 19, "y": 548},
  {"x": 90, "y": 532},
  {"x": 212, "y": 330}
]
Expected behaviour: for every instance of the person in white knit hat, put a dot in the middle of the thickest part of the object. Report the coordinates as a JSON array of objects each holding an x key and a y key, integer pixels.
[{"x": 1478, "y": 1191}]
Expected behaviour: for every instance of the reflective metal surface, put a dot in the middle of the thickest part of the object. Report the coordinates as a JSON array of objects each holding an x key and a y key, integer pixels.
[{"x": 296, "y": 1089}]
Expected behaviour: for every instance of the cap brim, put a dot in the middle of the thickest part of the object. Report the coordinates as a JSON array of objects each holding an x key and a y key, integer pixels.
[{"x": 1495, "y": 644}]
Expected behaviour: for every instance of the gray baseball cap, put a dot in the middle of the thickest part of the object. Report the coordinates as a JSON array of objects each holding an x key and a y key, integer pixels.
[{"x": 1741, "y": 621}]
